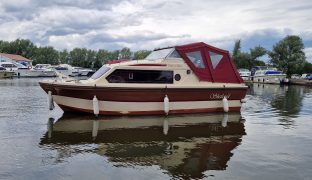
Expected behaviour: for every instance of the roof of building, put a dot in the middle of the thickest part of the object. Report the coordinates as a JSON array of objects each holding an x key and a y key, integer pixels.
[{"x": 15, "y": 57}]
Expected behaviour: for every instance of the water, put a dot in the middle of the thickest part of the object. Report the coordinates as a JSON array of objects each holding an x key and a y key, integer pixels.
[{"x": 270, "y": 139}]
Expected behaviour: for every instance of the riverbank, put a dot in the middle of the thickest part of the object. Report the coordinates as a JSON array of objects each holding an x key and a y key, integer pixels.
[{"x": 302, "y": 82}]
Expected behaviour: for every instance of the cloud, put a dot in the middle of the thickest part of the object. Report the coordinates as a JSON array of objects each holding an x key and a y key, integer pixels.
[
  {"x": 147, "y": 24},
  {"x": 308, "y": 53}
]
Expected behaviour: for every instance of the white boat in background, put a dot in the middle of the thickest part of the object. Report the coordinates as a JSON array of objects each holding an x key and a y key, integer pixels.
[
  {"x": 9, "y": 66},
  {"x": 72, "y": 71},
  {"x": 19, "y": 70},
  {"x": 244, "y": 74},
  {"x": 45, "y": 70},
  {"x": 64, "y": 69},
  {"x": 5, "y": 73},
  {"x": 84, "y": 71},
  {"x": 270, "y": 75},
  {"x": 40, "y": 70}
]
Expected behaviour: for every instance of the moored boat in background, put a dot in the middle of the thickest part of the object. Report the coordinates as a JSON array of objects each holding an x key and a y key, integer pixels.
[
  {"x": 39, "y": 70},
  {"x": 191, "y": 78},
  {"x": 71, "y": 71},
  {"x": 264, "y": 74},
  {"x": 5, "y": 74},
  {"x": 244, "y": 74}
]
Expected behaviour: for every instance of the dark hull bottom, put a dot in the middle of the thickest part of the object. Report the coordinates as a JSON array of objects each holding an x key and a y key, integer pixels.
[{"x": 186, "y": 111}]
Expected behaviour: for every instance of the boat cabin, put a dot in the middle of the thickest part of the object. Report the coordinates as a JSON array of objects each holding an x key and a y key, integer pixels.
[{"x": 197, "y": 62}]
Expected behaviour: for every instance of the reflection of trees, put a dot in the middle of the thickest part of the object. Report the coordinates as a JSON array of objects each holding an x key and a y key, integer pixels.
[
  {"x": 286, "y": 100},
  {"x": 186, "y": 152},
  {"x": 290, "y": 102}
]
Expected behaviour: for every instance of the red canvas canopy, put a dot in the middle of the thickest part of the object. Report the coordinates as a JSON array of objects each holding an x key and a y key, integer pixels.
[{"x": 209, "y": 63}]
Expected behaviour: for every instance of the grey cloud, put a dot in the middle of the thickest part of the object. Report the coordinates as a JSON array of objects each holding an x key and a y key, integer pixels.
[
  {"x": 139, "y": 37},
  {"x": 95, "y": 24}
]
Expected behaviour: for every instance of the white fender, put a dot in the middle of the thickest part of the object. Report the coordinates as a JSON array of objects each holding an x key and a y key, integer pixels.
[
  {"x": 96, "y": 110},
  {"x": 166, "y": 105},
  {"x": 50, "y": 101},
  {"x": 225, "y": 104}
]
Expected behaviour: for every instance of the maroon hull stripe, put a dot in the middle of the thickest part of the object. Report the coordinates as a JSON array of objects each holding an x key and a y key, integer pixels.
[
  {"x": 180, "y": 111},
  {"x": 145, "y": 95}
]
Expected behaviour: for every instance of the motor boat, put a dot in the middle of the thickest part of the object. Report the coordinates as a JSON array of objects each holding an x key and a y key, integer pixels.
[
  {"x": 192, "y": 78},
  {"x": 19, "y": 70},
  {"x": 64, "y": 69},
  {"x": 85, "y": 71},
  {"x": 73, "y": 71},
  {"x": 45, "y": 70},
  {"x": 5, "y": 73},
  {"x": 244, "y": 74},
  {"x": 9, "y": 66},
  {"x": 80, "y": 71},
  {"x": 265, "y": 74},
  {"x": 39, "y": 70}
]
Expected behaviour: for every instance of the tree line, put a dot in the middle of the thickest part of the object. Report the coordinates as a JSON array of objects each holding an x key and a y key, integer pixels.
[
  {"x": 82, "y": 57},
  {"x": 287, "y": 55}
]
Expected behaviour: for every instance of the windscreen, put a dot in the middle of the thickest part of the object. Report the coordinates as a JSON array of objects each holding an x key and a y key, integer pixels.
[
  {"x": 100, "y": 72},
  {"x": 159, "y": 54}
]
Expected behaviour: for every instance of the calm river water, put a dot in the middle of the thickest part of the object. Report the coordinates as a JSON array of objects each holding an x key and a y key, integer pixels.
[{"x": 270, "y": 139}]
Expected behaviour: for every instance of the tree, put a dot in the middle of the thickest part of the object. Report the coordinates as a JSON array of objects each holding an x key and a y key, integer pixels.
[
  {"x": 255, "y": 53},
  {"x": 243, "y": 60},
  {"x": 307, "y": 68},
  {"x": 97, "y": 64},
  {"x": 64, "y": 57},
  {"x": 113, "y": 55},
  {"x": 236, "y": 52},
  {"x": 23, "y": 47},
  {"x": 90, "y": 59},
  {"x": 102, "y": 56},
  {"x": 46, "y": 55},
  {"x": 237, "y": 48},
  {"x": 78, "y": 56},
  {"x": 288, "y": 56},
  {"x": 125, "y": 53},
  {"x": 141, "y": 54},
  {"x": 247, "y": 60}
]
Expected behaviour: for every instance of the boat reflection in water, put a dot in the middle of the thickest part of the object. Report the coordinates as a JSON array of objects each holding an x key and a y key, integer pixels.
[{"x": 185, "y": 146}]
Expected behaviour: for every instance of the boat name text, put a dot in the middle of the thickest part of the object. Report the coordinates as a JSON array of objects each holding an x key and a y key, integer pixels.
[{"x": 219, "y": 96}]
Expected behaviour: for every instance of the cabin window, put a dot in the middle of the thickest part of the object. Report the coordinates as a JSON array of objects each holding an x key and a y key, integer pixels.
[
  {"x": 215, "y": 59},
  {"x": 177, "y": 77},
  {"x": 100, "y": 72},
  {"x": 140, "y": 76},
  {"x": 174, "y": 54},
  {"x": 8, "y": 65},
  {"x": 196, "y": 59}
]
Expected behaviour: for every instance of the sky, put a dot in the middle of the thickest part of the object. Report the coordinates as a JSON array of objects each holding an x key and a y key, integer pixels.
[{"x": 149, "y": 24}]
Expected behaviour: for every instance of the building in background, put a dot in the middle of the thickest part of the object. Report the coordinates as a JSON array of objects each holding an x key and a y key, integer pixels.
[{"x": 15, "y": 59}]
